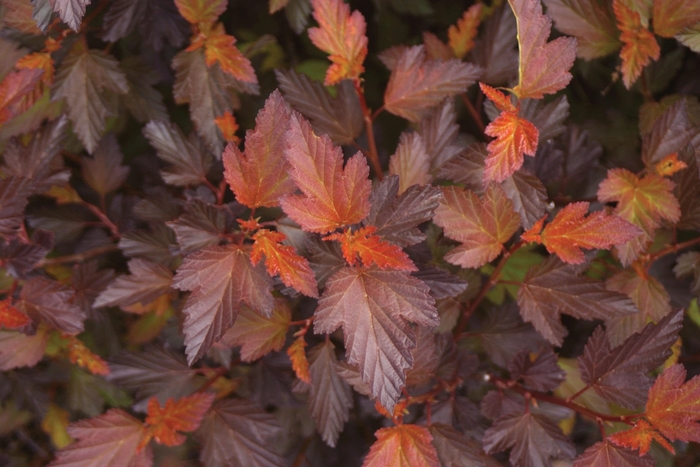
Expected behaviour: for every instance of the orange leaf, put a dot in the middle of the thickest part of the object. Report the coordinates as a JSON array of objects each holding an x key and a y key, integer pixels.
[
  {"x": 571, "y": 230},
  {"x": 544, "y": 66},
  {"x": 333, "y": 196},
  {"x": 639, "y": 45},
  {"x": 640, "y": 437},
  {"x": 228, "y": 126},
  {"x": 11, "y": 317},
  {"x": 402, "y": 446},
  {"x": 258, "y": 335},
  {"x": 482, "y": 225},
  {"x": 669, "y": 165},
  {"x": 293, "y": 269},
  {"x": 673, "y": 406},
  {"x": 219, "y": 48},
  {"x": 182, "y": 415},
  {"x": 343, "y": 36},
  {"x": 672, "y": 16},
  {"x": 300, "y": 364},
  {"x": 201, "y": 11},
  {"x": 515, "y": 137},
  {"x": 500, "y": 100},
  {"x": 82, "y": 356},
  {"x": 372, "y": 250},
  {"x": 461, "y": 35}
]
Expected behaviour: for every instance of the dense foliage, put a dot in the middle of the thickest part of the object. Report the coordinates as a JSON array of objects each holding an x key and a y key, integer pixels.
[{"x": 452, "y": 234}]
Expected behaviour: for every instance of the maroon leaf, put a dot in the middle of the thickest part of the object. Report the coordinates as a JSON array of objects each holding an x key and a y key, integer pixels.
[
  {"x": 70, "y": 11},
  {"x": 14, "y": 194},
  {"x": 453, "y": 448},
  {"x": 52, "y": 302},
  {"x": 374, "y": 308},
  {"x": 18, "y": 349},
  {"x": 670, "y": 133},
  {"x": 201, "y": 225},
  {"x": 541, "y": 374},
  {"x": 439, "y": 132},
  {"x": 496, "y": 50},
  {"x": 605, "y": 454},
  {"x": 220, "y": 278},
  {"x": 146, "y": 282},
  {"x": 104, "y": 172}
]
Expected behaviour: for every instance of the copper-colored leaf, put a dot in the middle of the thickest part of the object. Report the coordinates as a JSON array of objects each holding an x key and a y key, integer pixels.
[
  {"x": 673, "y": 406},
  {"x": 605, "y": 454},
  {"x": 640, "y": 437},
  {"x": 672, "y": 16},
  {"x": 411, "y": 161},
  {"x": 333, "y": 196},
  {"x": 481, "y": 224},
  {"x": 146, "y": 282},
  {"x": 229, "y": 127},
  {"x": 110, "y": 440},
  {"x": 221, "y": 279},
  {"x": 79, "y": 354},
  {"x": 544, "y": 66},
  {"x": 13, "y": 88},
  {"x": 182, "y": 415},
  {"x": 294, "y": 270},
  {"x": 300, "y": 364},
  {"x": 374, "y": 308},
  {"x": 220, "y": 48},
  {"x": 515, "y": 137},
  {"x": 416, "y": 84},
  {"x": 371, "y": 249},
  {"x": 11, "y": 317},
  {"x": 402, "y": 446},
  {"x": 639, "y": 44},
  {"x": 461, "y": 35},
  {"x": 571, "y": 230},
  {"x": 201, "y": 11},
  {"x": 51, "y": 302},
  {"x": 256, "y": 334}
]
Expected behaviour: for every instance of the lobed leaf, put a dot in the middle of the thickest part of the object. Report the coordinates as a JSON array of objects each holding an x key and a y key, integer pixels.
[
  {"x": 371, "y": 249},
  {"x": 201, "y": 11},
  {"x": 639, "y": 46},
  {"x": 461, "y": 35},
  {"x": 673, "y": 406},
  {"x": 258, "y": 335},
  {"x": 671, "y": 17},
  {"x": 605, "y": 454},
  {"x": 70, "y": 11},
  {"x": 402, "y": 446},
  {"x": 185, "y": 414},
  {"x": 453, "y": 448},
  {"x": 51, "y": 302},
  {"x": 410, "y": 162},
  {"x": 220, "y": 48},
  {"x": 146, "y": 282}
]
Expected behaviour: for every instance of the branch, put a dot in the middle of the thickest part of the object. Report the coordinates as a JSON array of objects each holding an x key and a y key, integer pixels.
[
  {"x": 473, "y": 112},
  {"x": 78, "y": 257},
  {"x": 367, "y": 112},
  {"x": 672, "y": 249}
]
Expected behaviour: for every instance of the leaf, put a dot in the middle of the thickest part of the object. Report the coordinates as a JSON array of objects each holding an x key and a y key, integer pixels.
[
  {"x": 185, "y": 414},
  {"x": 528, "y": 195},
  {"x": 144, "y": 101},
  {"x": 397, "y": 217},
  {"x": 54, "y": 424},
  {"x": 544, "y": 66},
  {"x": 639, "y": 46},
  {"x": 15, "y": 87},
  {"x": 228, "y": 126},
  {"x": 402, "y": 446},
  {"x": 49, "y": 301},
  {"x": 590, "y": 21},
  {"x": 342, "y": 35},
  {"x": 146, "y": 282},
  {"x": 121, "y": 18},
  {"x": 201, "y": 225},
  {"x": 220, "y": 48},
  {"x": 482, "y": 225},
  {"x": 515, "y": 137},
  {"x": 300, "y": 364},
  {"x": 221, "y": 278},
  {"x": 18, "y": 15},
  {"x": 259, "y": 177},
  {"x": 294, "y": 270},
  {"x": 104, "y": 172},
  {"x": 109, "y": 440},
  {"x": 416, "y": 84},
  {"x": 158, "y": 246},
  {"x": 534, "y": 438},
  {"x": 671, "y": 17},
  {"x": 640, "y": 437},
  {"x": 82, "y": 80},
  {"x": 11, "y": 317},
  {"x": 338, "y": 117},
  {"x": 201, "y": 11},
  {"x": 425, "y": 358},
  {"x": 540, "y": 372},
  {"x": 688, "y": 264},
  {"x": 333, "y": 196},
  {"x": 374, "y": 308},
  {"x": 330, "y": 397},
  {"x": 570, "y": 231},
  {"x": 237, "y": 432},
  {"x": 435, "y": 48},
  {"x": 453, "y": 448},
  {"x": 504, "y": 334},
  {"x": 605, "y": 454},
  {"x": 690, "y": 37},
  {"x": 189, "y": 161},
  {"x": 461, "y": 35},
  {"x": 70, "y": 11},
  {"x": 371, "y": 249},
  {"x": 410, "y": 162},
  {"x": 258, "y": 335},
  {"x": 440, "y": 132},
  {"x": 671, "y": 132},
  {"x": 553, "y": 287},
  {"x": 673, "y": 406},
  {"x": 19, "y": 350},
  {"x": 495, "y": 49},
  {"x": 153, "y": 372},
  {"x": 620, "y": 375}
]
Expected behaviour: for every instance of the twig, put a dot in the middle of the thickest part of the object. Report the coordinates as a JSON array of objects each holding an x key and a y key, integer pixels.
[
  {"x": 473, "y": 112},
  {"x": 78, "y": 257},
  {"x": 106, "y": 221},
  {"x": 672, "y": 249},
  {"x": 367, "y": 112}
]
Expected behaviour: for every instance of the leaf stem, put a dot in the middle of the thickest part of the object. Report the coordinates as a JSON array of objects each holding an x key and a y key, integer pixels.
[
  {"x": 219, "y": 193},
  {"x": 79, "y": 257},
  {"x": 473, "y": 112},
  {"x": 367, "y": 112},
  {"x": 672, "y": 249},
  {"x": 578, "y": 393},
  {"x": 106, "y": 221}
]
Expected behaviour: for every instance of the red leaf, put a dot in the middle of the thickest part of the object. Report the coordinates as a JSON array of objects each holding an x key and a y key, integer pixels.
[
  {"x": 228, "y": 126},
  {"x": 500, "y": 100},
  {"x": 110, "y": 440},
  {"x": 639, "y": 44},
  {"x": 461, "y": 35},
  {"x": 79, "y": 354},
  {"x": 374, "y": 308},
  {"x": 294, "y": 270},
  {"x": 515, "y": 137},
  {"x": 411, "y": 161},
  {"x": 640, "y": 437},
  {"x": 372, "y": 250},
  {"x": 11, "y": 317},
  {"x": 342, "y": 35},
  {"x": 673, "y": 406},
  {"x": 571, "y": 230},
  {"x": 416, "y": 85},
  {"x": 258, "y": 335},
  {"x": 220, "y": 48},
  {"x": 182, "y": 415},
  {"x": 333, "y": 196},
  {"x": 14, "y": 87},
  {"x": 482, "y": 225},
  {"x": 201, "y": 11},
  {"x": 604, "y": 454},
  {"x": 402, "y": 446},
  {"x": 544, "y": 66},
  {"x": 259, "y": 177},
  {"x": 300, "y": 364}
]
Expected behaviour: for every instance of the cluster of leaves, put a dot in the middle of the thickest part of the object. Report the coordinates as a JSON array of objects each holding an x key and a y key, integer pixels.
[{"x": 372, "y": 275}]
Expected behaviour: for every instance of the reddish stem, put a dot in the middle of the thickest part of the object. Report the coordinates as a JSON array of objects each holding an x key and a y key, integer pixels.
[
  {"x": 106, "y": 221},
  {"x": 367, "y": 112},
  {"x": 671, "y": 249},
  {"x": 473, "y": 112}
]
